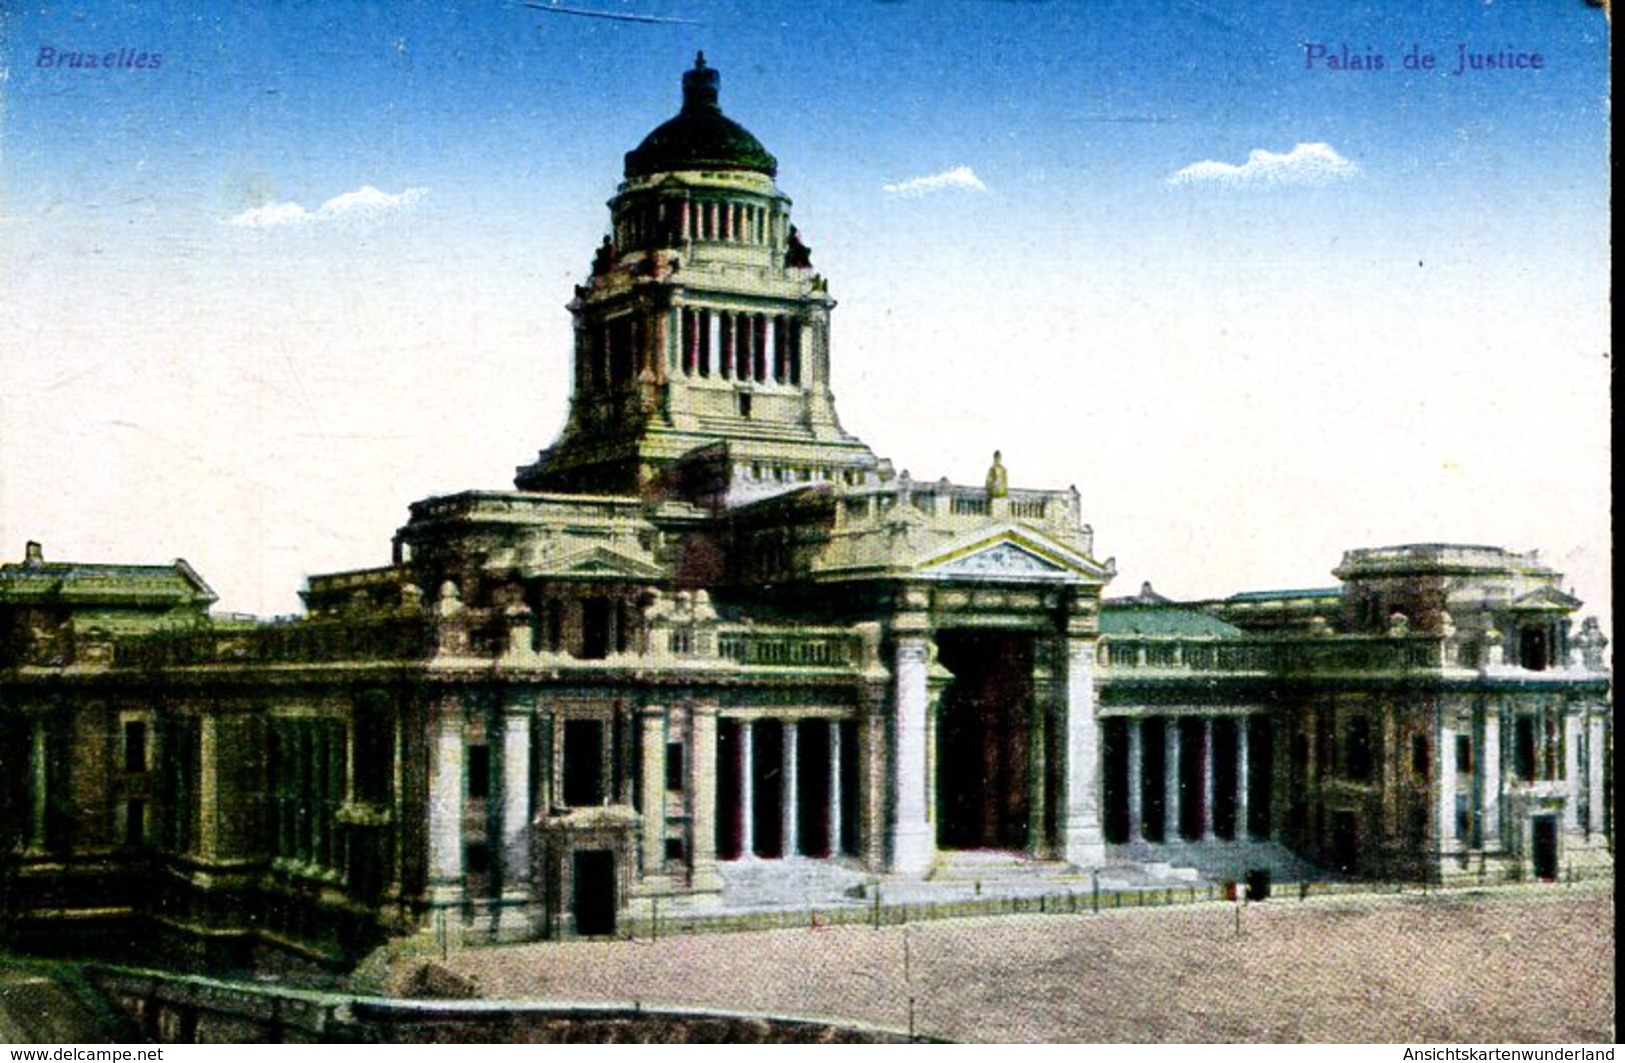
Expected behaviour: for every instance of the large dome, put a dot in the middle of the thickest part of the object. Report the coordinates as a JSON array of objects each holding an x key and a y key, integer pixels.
[{"x": 700, "y": 137}]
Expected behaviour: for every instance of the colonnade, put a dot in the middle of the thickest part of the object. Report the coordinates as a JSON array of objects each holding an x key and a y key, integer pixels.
[
  {"x": 769, "y": 804},
  {"x": 1205, "y": 787},
  {"x": 737, "y": 346}
]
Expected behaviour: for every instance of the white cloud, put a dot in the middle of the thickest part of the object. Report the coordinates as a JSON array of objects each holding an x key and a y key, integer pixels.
[
  {"x": 1306, "y": 164},
  {"x": 365, "y": 200},
  {"x": 271, "y": 214},
  {"x": 369, "y": 200},
  {"x": 960, "y": 177}
]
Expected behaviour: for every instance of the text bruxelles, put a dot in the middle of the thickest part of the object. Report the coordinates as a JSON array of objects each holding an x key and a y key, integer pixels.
[{"x": 51, "y": 58}]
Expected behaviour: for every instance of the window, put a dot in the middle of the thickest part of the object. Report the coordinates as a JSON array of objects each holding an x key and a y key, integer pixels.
[
  {"x": 1357, "y": 749},
  {"x": 1419, "y": 755},
  {"x": 479, "y": 772},
  {"x": 1523, "y": 747},
  {"x": 674, "y": 850},
  {"x": 1464, "y": 753},
  {"x": 1533, "y": 649},
  {"x": 374, "y": 766},
  {"x": 583, "y": 763},
  {"x": 744, "y": 404},
  {"x": 594, "y": 629},
  {"x": 135, "y": 745},
  {"x": 674, "y": 765},
  {"x": 691, "y": 332}
]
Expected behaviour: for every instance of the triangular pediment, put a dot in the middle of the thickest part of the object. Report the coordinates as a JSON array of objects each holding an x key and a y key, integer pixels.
[
  {"x": 1547, "y": 598},
  {"x": 1014, "y": 556},
  {"x": 597, "y": 562}
]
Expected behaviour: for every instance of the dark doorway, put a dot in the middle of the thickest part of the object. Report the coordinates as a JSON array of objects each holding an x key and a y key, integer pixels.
[
  {"x": 593, "y": 900},
  {"x": 984, "y": 735},
  {"x": 1543, "y": 846},
  {"x": 767, "y": 788},
  {"x": 812, "y": 787},
  {"x": 1226, "y": 770},
  {"x": 730, "y": 811},
  {"x": 1345, "y": 842},
  {"x": 1114, "y": 783}
]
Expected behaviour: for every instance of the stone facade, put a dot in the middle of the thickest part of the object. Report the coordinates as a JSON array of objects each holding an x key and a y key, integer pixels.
[{"x": 710, "y": 629}]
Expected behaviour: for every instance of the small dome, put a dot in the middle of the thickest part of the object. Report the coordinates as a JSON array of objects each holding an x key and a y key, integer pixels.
[{"x": 700, "y": 137}]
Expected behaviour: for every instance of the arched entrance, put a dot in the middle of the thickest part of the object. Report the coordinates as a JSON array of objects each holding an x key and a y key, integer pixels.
[{"x": 984, "y": 740}]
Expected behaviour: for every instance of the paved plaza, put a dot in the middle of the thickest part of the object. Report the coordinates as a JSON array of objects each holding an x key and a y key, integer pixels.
[{"x": 1532, "y": 965}]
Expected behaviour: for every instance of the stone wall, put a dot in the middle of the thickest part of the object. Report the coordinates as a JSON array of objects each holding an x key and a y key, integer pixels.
[{"x": 184, "y": 1009}]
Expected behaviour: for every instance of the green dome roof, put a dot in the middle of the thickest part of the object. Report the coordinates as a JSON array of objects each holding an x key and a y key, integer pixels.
[{"x": 700, "y": 137}]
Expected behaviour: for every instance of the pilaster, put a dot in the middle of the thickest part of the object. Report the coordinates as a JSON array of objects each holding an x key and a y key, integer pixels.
[
  {"x": 702, "y": 790},
  {"x": 446, "y": 801}
]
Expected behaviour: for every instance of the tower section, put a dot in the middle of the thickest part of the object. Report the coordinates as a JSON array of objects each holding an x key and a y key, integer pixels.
[{"x": 701, "y": 358}]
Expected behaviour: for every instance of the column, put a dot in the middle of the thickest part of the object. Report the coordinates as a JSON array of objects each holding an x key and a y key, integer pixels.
[
  {"x": 654, "y": 791},
  {"x": 516, "y": 871},
  {"x": 790, "y": 806},
  {"x": 1489, "y": 763},
  {"x": 39, "y": 773},
  {"x": 1594, "y": 774},
  {"x": 1572, "y": 783},
  {"x": 1082, "y": 842},
  {"x": 747, "y": 793},
  {"x": 1170, "y": 781},
  {"x": 1242, "y": 833},
  {"x": 1038, "y": 767},
  {"x": 397, "y": 769},
  {"x": 911, "y": 843},
  {"x": 446, "y": 801},
  {"x": 1446, "y": 830},
  {"x": 701, "y": 788},
  {"x": 1135, "y": 812},
  {"x": 1210, "y": 782},
  {"x": 835, "y": 788}
]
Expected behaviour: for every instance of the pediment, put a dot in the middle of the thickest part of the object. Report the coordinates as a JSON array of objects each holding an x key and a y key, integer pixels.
[
  {"x": 1012, "y": 556},
  {"x": 1546, "y": 598},
  {"x": 598, "y": 562}
]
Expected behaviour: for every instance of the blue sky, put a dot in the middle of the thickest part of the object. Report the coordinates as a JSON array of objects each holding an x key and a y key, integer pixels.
[{"x": 1397, "y": 332}]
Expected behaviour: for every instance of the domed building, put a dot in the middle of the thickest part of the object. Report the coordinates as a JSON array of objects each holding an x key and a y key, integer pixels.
[{"x": 713, "y": 656}]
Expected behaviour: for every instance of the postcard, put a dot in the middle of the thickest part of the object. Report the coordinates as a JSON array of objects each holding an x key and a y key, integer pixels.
[{"x": 974, "y": 521}]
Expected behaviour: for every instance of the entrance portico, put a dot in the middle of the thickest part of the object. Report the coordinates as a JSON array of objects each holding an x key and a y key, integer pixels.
[{"x": 994, "y": 730}]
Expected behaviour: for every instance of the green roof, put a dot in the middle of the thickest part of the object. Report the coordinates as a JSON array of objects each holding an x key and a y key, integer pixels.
[
  {"x": 1163, "y": 620},
  {"x": 1290, "y": 595},
  {"x": 70, "y": 583}
]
